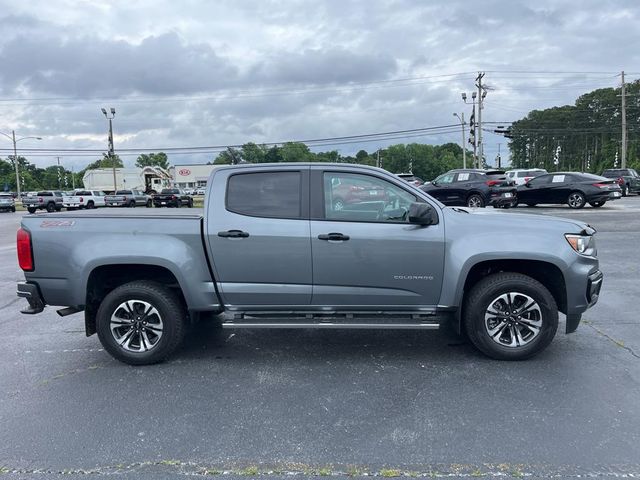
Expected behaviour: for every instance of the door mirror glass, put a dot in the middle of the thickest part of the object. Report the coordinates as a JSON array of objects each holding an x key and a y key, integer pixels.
[{"x": 422, "y": 214}]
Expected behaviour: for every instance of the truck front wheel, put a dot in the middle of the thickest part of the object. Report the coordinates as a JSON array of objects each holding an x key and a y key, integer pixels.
[
  {"x": 510, "y": 316},
  {"x": 141, "y": 322}
]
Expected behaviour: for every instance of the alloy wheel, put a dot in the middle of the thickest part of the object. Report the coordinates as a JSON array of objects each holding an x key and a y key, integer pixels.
[
  {"x": 136, "y": 326},
  {"x": 513, "y": 319},
  {"x": 576, "y": 200}
]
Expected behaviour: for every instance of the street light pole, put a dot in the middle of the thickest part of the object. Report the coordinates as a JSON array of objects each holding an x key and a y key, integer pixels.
[
  {"x": 12, "y": 137},
  {"x": 111, "y": 153},
  {"x": 464, "y": 148}
]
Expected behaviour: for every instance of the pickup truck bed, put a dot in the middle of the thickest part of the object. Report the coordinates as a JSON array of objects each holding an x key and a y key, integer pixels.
[{"x": 310, "y": 246}]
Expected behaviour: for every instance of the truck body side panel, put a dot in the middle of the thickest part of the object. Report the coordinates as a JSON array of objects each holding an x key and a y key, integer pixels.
[{"x": 68, "y": 247}]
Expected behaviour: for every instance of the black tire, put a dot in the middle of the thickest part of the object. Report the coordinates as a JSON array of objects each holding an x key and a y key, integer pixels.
[
  {"x": 149, "y": 204},
  {"x": 170, "y": 310},
  {"x": 91, "y": 205},
  {"x": 190, "y": 203},
  {"x": 625, "y": 190},
  {"x": 13, "y": 209},
  {"x": 576, "y": 200},
  {"x": 597, "y": 204},
  {"x": 488, "y": 290},
  {"x": 178, "y": 203},
  {"x": 475, "y": 200},
  {"x": 31, "y": 210},
  {"x": 51, "y": 207},
  {"x": 132, "y": 204}
]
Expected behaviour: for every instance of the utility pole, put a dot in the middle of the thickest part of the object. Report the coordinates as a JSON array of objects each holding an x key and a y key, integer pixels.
[
  {"x": 111, "y": 153},
  {"x": 624, "y": 125},
  {"x": 378, "y": 163},
  {"x": 464, "y": 146},
  {"x": 473, "y": 126},
  {"x": 481, "y": 94},
  {"x": 15, "y": 141},
  {"x": 498, "y": 159}
]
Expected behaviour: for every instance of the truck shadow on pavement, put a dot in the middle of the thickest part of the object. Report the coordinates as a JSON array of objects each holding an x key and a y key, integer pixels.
[{"x": 206, "y": 340}]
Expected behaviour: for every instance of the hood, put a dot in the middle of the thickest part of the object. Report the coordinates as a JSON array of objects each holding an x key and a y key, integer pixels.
[{"x": 501, "y": 220}]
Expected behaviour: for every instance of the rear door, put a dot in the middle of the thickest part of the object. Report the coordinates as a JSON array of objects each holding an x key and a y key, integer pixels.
[
  {"x": 257, "y": 227},
  {"x": 367, "y": 254}
]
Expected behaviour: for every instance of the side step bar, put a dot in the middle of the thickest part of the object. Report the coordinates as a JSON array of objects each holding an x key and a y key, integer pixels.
[{"x": 334, "y": 325}]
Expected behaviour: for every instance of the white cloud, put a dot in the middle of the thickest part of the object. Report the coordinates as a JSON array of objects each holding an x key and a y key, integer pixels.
[{"x": 242, "y": 70}]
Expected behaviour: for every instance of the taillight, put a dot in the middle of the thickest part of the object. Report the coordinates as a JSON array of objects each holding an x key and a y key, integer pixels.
[
  {"x": 40, "y": 199},
  {"x": 601, "y": 185},
  {"x": 25, "y": 252},
  {"x": 493, "y": 183},
  {"x": 81, "y": 199},
  {"x": 620, "y": 181},
  {"x": 173, "y": 197}
]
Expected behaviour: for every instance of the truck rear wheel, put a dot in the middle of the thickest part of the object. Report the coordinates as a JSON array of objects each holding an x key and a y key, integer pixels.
[
  {"x": 141, "y": 322},
  {"x": 510, "y": 316},
  {"x": 51, "y": 207}
]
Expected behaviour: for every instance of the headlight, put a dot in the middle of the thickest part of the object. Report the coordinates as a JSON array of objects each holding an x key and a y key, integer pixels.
[{"x": 583, "y": 244}]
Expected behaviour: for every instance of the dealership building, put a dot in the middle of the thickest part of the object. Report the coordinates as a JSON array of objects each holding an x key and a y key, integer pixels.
[{"x": 191, "y": 176}]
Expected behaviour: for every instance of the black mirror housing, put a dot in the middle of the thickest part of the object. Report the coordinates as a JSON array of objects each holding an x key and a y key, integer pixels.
[{"x": 422, "y": 214}]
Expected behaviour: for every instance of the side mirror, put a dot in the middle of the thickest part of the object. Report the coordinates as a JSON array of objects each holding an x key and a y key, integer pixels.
[{"x": 422, "y": 214}]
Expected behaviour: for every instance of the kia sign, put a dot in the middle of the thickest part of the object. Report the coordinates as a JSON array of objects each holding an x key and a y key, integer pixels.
[{"x": 185, "y": 172}]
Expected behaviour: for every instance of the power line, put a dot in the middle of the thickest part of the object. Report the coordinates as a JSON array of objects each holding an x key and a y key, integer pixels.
[{"x": 327, "y": 141}]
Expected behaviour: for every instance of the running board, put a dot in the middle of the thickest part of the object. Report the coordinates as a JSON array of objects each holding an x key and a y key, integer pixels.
[{"x": 334, "y": 325}]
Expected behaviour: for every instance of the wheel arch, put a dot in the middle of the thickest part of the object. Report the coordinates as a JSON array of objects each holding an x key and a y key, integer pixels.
[
  {"x": 547, "y": 273},
  {"x": 105, "y": 278}
]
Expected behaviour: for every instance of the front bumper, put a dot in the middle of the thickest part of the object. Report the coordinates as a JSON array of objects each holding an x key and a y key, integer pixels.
[{"x": 31, "y": 292}]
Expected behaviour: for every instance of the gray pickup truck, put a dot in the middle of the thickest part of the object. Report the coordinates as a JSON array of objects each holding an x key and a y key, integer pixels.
[{"x": 276, "y": 249}]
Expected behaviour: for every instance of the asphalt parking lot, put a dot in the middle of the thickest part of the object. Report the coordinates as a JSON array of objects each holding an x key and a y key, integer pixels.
[{"x": 329, "y": 403}]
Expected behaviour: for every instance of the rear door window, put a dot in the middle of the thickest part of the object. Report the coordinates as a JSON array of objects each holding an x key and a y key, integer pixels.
[{"x": 266, "y": 194}]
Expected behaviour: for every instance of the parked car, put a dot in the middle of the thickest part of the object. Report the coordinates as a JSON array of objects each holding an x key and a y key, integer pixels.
[
  {"x": 411, "y": 178},
  {"x": 270, "y": 251},
  {"x": 574, "y": 189},
  {"x": 627, "y": 178},
  {"x": 522, "y": 176},
  {"x": 7, "y": 203},
  {"x": 189, "y": 191},
  {"x": 84, "y": 199},
  {"x": 201, "y": 191},
  {"x": 128, "y": 198},
  {"x": 49, "y": 200},
  {"x": 473, "y": 188},
  {"x": 172, "y": 197}
]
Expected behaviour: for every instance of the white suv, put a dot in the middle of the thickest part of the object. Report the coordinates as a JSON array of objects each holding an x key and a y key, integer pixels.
[{"x": 522, "y": 176}]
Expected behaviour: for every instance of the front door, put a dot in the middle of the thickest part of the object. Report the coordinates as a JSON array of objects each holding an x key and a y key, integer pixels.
[
  {"x": 258, "y": 231},
  {"x": 366, "y": 253}
]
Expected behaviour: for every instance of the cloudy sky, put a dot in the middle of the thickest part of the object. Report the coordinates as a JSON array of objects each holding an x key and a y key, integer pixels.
[{"x": 187, "y": 73}]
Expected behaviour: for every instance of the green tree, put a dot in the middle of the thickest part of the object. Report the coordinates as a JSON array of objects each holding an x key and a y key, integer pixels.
[
  {"x": 153, "y": 160},
  {"x": 252, "y": 153},
  {"x": 587, "y": 133},
  {"x": 296, "y": 152}
]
